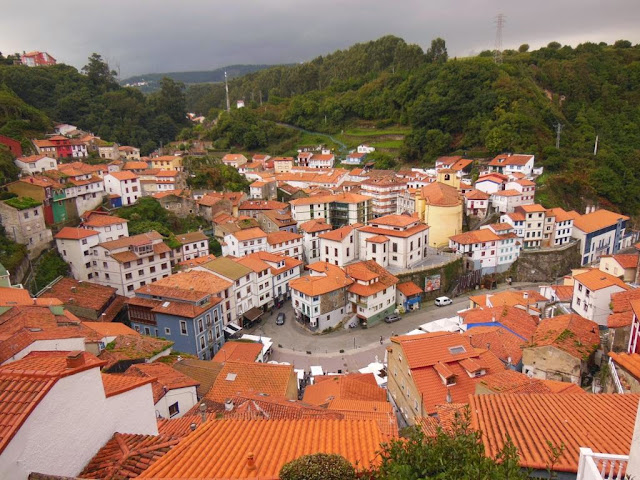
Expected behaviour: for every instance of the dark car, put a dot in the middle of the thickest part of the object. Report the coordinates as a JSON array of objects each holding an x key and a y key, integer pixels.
[
  {"x": 280, "y": 319},
  {"x": 394, "y": 317}
]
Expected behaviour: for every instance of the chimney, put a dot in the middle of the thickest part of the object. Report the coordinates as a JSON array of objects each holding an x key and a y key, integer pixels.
[
  {"x": 203, "y": 412},
  {"x": 251, "y": 462},
  {"x": 75, "y": 359},
  {"x": 525, "y": 294},
  {"x": 192, "y": 427},
  {"x": 228, "y": 405}
]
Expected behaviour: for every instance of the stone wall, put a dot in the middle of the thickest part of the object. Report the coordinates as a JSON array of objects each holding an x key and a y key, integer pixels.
[
  {"x": 449, "y": 273},
  {"x": 546, "y": 264}
]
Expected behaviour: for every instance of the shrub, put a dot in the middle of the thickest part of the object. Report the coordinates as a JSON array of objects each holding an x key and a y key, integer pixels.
[{"x": 320, "y": 466}]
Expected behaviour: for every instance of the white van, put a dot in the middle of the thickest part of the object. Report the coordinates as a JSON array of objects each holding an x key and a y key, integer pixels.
[{"x": 442, "y": 301}]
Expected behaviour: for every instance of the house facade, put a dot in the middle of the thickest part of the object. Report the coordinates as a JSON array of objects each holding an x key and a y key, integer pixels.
[
  {"x": 600, "y": 232},
  {"x": 23, "y": 222},
  {"x": 124, "y": 185}
]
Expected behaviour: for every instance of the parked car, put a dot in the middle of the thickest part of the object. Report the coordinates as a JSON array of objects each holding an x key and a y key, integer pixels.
[
  {"x": 280, "y": 319},
  {"x": 442, "y": 301},
  {"x": 394, "y": 317}
]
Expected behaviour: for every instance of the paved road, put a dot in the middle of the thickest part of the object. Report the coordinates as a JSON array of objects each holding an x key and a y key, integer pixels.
[{"x": 294, "y": 344}]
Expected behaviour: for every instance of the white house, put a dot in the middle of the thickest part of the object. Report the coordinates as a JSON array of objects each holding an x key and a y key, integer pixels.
[
  {"x": 491, "y": 249},
  {"x": 354, "y": 158},
  {"x": 283, "y": 270},
  {"x": 365, "y": 149},
  {"x": 174, "y": 394},
  {"x": 76, "y": 246},
  {"x": 528, "y": 222},
  {"x": 234, "y": 160},
  {"x": 372, "y": 293},
  {"x": 311, "y": 231},
  {"x": 285, "y": 243},
  {"x": 36, "y": 164},
  {"x": 491, "y": 183},
  {"x": 562, "y": 228},
  {"x": 243, "y": 242},
  {"x": 129, "y": 263},
  {"x": 192, "y": 245},
  {"x": 261, "y": 281},
  {"x": 71, "y": 411},
  {"x": 340, "y": 246},
  {"x": 23, "y": 222},
  {"x": 506, "y": 201},
  {"x": 125, "y": 185},
  {"x": 322, "y": 160},
  {"x": 507, "y": 164},
  {"x": 384, "y": 193},
  {"x": 109, "y": 227},
  {"x": 600, "y": 232},
  {"x": 109, "y": 151},
  {"x": 476, "y": 203},
  {"x": 592, "y": 292},
  {"x": 399, "y": 241}
]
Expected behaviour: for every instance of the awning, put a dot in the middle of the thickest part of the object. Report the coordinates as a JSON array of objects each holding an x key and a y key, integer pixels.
[
  {"x": 253, "y": 314},
  {"x": 232, "y": 329}
]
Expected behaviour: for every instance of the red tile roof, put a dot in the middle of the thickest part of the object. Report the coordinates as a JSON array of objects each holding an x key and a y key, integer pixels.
[
  {"x": 275, "y": 238},
  {"x": 117, "y": 384},
  {"x": 132, "y": 347},
  {"x": 337, "y": 235},
  {"x": 24, "y": 383},
  {"x": 124, "y": 175},
  {"x": 570, "y": 333},
  {"x": 627, "y": 260},
  {"x": 573, "y": 421},
  {"x": 366, "y": 271},
  {"x": 334, "y": 278},
  {"x": 96, "y": 219},
  {"x": 510, "y": 381},
  {"x": 629, "y": 361},
  {"x": 509, "y": 159},
  {"x": 226, "y": 446},
  {"x": 72, "y": 233},
  {"x": 595, "y": 279},
  {"x": 514, "y": 319},
  {"x": 594, "y": 221},
  {"x": 441, "y": 194},
  {"x": 238, "y": 352},
  {"x": 164, "y": 377},
  {"x": 409, "y": 289},
  {"x": 354, "y": 386},
  {"x": 127, "y": 456},
  {"x": 238, "y": 378},
  {"x": 504, "y": 344}
]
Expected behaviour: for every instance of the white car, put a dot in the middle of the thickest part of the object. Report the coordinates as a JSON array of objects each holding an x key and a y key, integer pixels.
[{"x": 442, "y": 301}]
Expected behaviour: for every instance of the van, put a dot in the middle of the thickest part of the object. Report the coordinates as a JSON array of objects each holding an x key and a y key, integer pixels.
[{"x": 442, "y": 301}]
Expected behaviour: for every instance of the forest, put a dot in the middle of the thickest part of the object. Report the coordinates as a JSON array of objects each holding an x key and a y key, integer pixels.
[{"x": 470, "y": 106}]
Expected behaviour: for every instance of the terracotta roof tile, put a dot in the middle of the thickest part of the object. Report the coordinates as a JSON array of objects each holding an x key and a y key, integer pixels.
[
  {"x": 409, "y": 289},
  {"x": 117, "y": 384},
  {"x": 238, "y": 352},
  {"x": 366, "y": 271},
  {"x": 629, "y": 361},
  {"x": 504, "y": 344},
  {"x": 571, "y": 420},
  {"x": 395, "y": 220},
  {"x": 124, "y": 175},
  {"x": 510, "y": 318},
  {"x": 440, "y": 194},
  {"x": 570, "y": 333},
  {"x": 627, "y": 260},
  {"x": 72, "y": 233},
  {"x": 237, "y": 378},
  {"x": 337, "y": 235},
  {"x": 354, "y": 386},
  {"x": 96, "y": 219},
  {"x": 132, "y": 347},
  {"x": 127, "y": 456},
  {"x": 249, "y": 234},
  {"x": 224, "y": 444},
  {"x": 334, "y": 278},
  {"x": 395, "y": 233},
  {"x": 595, "y": 279},
  {"x": 204, "y": 372},
  {"x": 275, "y": 238},
  {"x": 594, "y": 221},
  {"x": 509, "y": 159},
  {"x": 164, "y": 377}
]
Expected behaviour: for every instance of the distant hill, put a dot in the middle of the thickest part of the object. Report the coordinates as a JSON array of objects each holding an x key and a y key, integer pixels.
[{"x": 150, "y": 82}]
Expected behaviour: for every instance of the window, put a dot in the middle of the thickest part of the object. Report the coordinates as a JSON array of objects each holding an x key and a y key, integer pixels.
[
  {"x": 129, "y": 288},
  {"x": 140, "y": 262},
  {"x": 141, "y": 272},
  {"x": 147, "y": 331},
  {"x": 152, "y": 269},
  {"x": 167, "y": 331},
  {"x": 394, "y": 247},
  {"x": 202, "y": 344},
  {"x": 127, "y": 264},
  {"x": 183, "y": 327},
  {"x": 173, "y": 409},
  {"x": 128, "y": 276}
]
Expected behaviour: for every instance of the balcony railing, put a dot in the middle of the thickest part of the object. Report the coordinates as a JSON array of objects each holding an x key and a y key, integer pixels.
[
  {"x": 601, "y": 466},
  {"x": 615, "y": 377}
]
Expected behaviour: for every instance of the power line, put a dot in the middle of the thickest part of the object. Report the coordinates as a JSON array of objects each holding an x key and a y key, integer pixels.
[{"x": 500, "y": 22}]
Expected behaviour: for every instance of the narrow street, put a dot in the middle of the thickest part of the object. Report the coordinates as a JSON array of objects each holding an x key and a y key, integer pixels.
[{"x": 293, "y": 343}]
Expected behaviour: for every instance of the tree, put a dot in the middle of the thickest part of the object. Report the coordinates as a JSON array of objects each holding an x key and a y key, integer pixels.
[
  {"x": 622, "y": 44},
  {"x": 437, "y": 52},
  {"x": 171, "y": 100},
  {"x": 319, "y": 466},
  {"x": 554, "y": 46},
  {"x": 447, "y": 456},
  {"x": 523, "y": 48},
  {"x": 99, "y": 73}
]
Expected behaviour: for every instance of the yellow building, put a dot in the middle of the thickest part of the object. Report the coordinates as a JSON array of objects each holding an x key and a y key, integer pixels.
[
  {"x": 439, "y": 205},
  {"x": 167, "y": 162},
  {"x": 449, "y": 177}
]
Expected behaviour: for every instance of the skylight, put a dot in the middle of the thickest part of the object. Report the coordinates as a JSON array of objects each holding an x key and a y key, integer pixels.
[
  {"x": 231, "y": 377},
  {"x": 457, "y": 350}
]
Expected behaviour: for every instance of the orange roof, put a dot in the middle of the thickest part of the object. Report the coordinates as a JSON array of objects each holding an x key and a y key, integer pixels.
[
  {"x": 561, "y": 214},
  {"x": 238, "y": 352},
  {"x": 510, "y": 381},
  {"x": 333, "y": 279},
  {"x": 461, "y": 164},
  {"x": 134, "y": 166},
  {"x": 194, "y": 262},
  {"x": 395, "y": 233},
  {"x": 97, "y": 219},
  {"x": 275, "y": 238},
  {"x": 127, "y": 455},
  {"x": 507, "y": 193},
  {"x": 220, "y": 449},
  {"x": 509, "y": 159},
  {"x": 409, "y": 289},
  {"x": 237, "y": 378},
  {"x": 249, "y": 234},
  {"x": 337, "y": 235},
  {"x": 72, "y": 233},
  {"x": 595, "y": 279},
  {"x": 629, "y": 361},
  {"x": 514, "y": 319},
  {"x": 353, "y": 386},
  {"x": 24, "y": 383},
  {"x": 573, "y": 421},
  {"x": 377, "y": 239},
  {"x": 124, "y": 175},
  {"x": 563, "y": 292},
  {"x": 476, "y": 195},
  {"x": 570, "y": 333},
  {"x": 395, "y": 220},
  {"x": 117, "y": 384},
  {"x": 504, "y": 344},
  {"x": 534, "y": 208},
  {"x": 594, "y": 221},
  {"x": 440, "y": 194},
  {"x": 366, "y": 271},
  {"x": 475, "y": 236},
  {"x": 110, "y": 329},
  {"x": 492, "y": 177},
  {"x": 627, "y": 260},
  {"x": 164, "y": 378},
  {"x": 133, "y": 347}
]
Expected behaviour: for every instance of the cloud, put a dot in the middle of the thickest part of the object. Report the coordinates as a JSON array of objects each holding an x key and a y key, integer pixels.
[{"x": 141, "y": 36}]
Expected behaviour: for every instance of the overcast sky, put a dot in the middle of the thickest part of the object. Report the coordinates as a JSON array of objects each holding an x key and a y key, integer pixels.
[{"x": 142, "y": 36}]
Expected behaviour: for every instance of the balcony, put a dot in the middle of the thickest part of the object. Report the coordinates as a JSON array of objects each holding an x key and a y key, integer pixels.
[{"x": 601, "y": 466}]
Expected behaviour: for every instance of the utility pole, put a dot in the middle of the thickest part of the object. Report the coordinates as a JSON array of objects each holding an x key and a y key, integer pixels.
[
  {"x": 226, "y": 87},
  {"x": 558, "y": 130},
  {"x": 595, "y": 148},
  {"x": 500, "y": 22}
]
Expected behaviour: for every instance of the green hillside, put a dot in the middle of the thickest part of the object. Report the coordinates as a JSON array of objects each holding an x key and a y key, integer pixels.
[
  {"x": 152, "y": 80},
  {"x": 442, "y": 105}
]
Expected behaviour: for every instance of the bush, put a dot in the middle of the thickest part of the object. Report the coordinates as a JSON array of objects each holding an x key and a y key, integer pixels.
[{"x": 320, "y": 466}]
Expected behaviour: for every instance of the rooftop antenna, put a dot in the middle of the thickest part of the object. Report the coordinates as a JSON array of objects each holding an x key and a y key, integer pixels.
[
  {"x": 226, "y": 87},
  {"x": 500, "y": 21}
]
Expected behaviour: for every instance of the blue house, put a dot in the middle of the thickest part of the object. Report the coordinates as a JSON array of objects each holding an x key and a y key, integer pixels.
[
  {"x": 601, "y": 232},
  {"x": 190, "y": 317},
  {"x": 408, "y": 295},
  {"x": 354, "y": 158}
]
